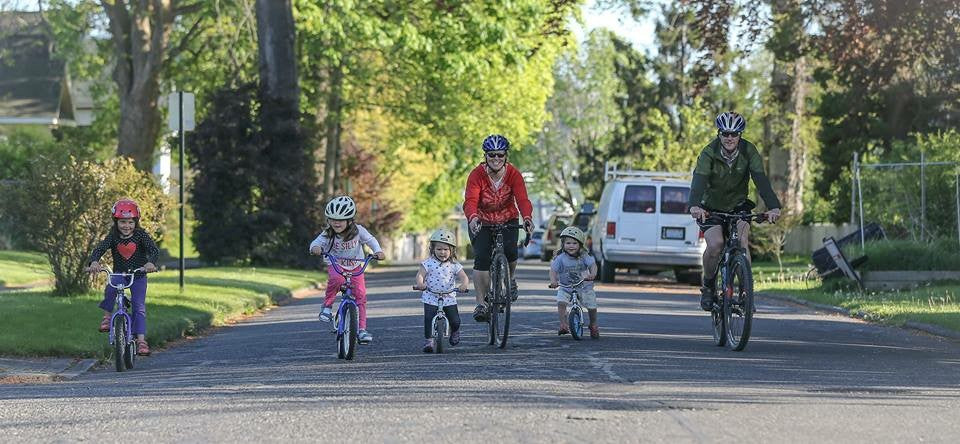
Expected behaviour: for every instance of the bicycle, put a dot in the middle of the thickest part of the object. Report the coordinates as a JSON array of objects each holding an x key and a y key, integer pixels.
[
  {"x": 732, "y": 315},
  {"x": 121, "y": 336},
  {"x": 498, "y": 294},
  {"x": 346, "y": 320},
  {"x": 575, "y": 315},
  {"x": 440, "y": 325}
]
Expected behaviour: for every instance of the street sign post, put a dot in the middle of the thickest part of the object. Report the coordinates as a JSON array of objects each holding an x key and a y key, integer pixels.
[{"x": 181, "y": 120}]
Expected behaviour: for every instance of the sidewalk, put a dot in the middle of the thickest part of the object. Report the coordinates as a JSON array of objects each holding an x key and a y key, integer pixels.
[{"x": 38, "y": 370}]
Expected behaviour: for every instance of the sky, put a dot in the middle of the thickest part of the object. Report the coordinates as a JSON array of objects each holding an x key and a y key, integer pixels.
[{"x": 639, "y": 33}]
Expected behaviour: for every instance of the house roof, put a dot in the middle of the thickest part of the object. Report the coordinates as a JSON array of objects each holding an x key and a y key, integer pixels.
[{"x": 35, "y": 87}]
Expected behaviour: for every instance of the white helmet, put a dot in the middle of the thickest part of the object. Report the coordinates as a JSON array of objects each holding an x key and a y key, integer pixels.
[
  {"x": 444, "y": 235},
  {"x": 574, "y": 233},
  {"x": 730, "y": 122},
  {"x": 341, "y": 208}
]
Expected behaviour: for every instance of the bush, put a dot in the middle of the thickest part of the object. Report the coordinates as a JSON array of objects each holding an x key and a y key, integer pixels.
[
  {"x": 63, "y": 208},
  {"x": 911, "y": 255}
]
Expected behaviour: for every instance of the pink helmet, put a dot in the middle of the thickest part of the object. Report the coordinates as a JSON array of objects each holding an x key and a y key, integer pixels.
[{"x": 126, "y": 209}]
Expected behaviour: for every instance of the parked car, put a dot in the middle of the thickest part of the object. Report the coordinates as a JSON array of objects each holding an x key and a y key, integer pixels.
[
  {"x": 535, "y": 247},
  {"x": 551, "y": 237},
  {"x": 643, "y": 223},
  {"x": 584, "y": 220}
]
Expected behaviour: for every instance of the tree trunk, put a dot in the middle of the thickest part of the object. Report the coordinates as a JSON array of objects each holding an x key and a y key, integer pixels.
[
  {"x": 276, "y": 39},
  {"x": 140, "y": 34},
  {"x": 334, "y": 128}
]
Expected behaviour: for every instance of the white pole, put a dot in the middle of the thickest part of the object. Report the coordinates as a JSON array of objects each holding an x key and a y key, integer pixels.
[
  {"x": 923, "y": 195},
  {"x": 853, "y": 189},
  {"x": 860, "y": 200},
  {"x": 958, "y": 206}
]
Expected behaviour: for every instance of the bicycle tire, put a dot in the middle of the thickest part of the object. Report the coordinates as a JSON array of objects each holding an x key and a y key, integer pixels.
[
  {"x": 119, "y": 341},
  {"x": 350, "y": 336},
  {"x": 738, "y": 306},
  {"x": 500, "y": 309},
  {"x": 718, "y": 321},
  {"x": 130, "y": 355},
  {"x": 575, "y": 321},
  {"x": 439, "y": 331}
]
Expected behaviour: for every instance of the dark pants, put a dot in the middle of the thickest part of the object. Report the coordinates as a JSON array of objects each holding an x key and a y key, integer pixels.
[
  {"x": 138, "y": 296},
  {"x": 483, "y": 246},
  {"x": 429, "y": 311}
]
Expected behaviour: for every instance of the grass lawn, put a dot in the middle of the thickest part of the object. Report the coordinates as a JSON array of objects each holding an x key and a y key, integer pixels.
[
  {"x": 37, "y": 324},
  {"x": 937, "y": 304},
  {"x": 22, "y": 267}
]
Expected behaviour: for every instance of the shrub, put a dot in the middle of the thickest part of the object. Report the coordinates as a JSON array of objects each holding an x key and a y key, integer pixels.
[
  {"x": 905, "y": 255},
  {"x": 63, "y": 208}
]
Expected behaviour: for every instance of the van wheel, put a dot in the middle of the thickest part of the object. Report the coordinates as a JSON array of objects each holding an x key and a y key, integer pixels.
[
  {"x": 607, "y": 272},
  {"x": 688, "y": 277}
]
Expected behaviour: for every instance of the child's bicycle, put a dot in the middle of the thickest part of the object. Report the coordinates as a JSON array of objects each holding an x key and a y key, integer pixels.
[
  {"x": 575, "y": 315},
  {"x": 122, "y": 339},
  {"x": 440, "y": 326},
  {"x": 346, "y": 319}
]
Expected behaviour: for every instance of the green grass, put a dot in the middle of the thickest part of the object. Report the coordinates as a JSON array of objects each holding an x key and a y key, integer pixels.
[
  {"x": 171, "y": 237},
  {"x": 908, "y": 255},
  {"x": 37, "y": 324},
  {"x": 22, "y": 267}
]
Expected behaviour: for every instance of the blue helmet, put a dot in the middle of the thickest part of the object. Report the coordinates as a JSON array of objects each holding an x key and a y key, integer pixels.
[
  {"x": 731, "y": 122},
  {"x": 496, "y": 142}
]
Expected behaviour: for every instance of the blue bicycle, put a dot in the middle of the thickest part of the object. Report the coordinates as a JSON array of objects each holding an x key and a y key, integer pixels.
[
  {"x": 122, "y": 338},
  {"x": 346, "y": 318}
]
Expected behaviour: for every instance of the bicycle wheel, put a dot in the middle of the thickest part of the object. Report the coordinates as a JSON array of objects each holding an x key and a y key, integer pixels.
[
  {"x": 439, "y": 331},
  {"x": 738, "y": 305},
  {"x": 575, "y": 320},
  {"x": 500, "y": 311},
  {"x": 718, "y": 320},
  {"x": 348, "y": 341},
  {"x": 130, "y": 354},
  {"x": 119, "y": 341}
]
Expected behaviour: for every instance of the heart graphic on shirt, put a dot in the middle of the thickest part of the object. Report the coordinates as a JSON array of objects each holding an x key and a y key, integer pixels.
[{"x": 126, "y": 250}]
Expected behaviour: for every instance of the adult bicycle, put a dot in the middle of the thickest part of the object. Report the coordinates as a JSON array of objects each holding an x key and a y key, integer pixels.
[
  {"x": 575, "y": 314},
  {"x": 122, "y": 339},
  {"x": 732, "y": 313},
  {"x": 499, "y": 295},
  {"x": 346, "y": 319},
  {"x": 440, "y": 325}
]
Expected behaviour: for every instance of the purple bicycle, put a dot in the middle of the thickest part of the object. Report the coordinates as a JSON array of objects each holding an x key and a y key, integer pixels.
[
  {"x": 346, "y": 318},
  {"x": 121, "y": 322}
]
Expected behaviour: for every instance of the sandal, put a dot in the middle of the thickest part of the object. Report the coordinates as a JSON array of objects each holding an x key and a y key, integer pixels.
[
  {"x": 105, "y": 324},
  {"x": 142, "y": 348},
  {"x": 594, "y": 332}
]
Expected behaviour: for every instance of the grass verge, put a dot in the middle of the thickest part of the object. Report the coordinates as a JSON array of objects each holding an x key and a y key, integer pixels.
[
  {"x": 37, "y": 324},
  {"x": 23, "y": 267}
]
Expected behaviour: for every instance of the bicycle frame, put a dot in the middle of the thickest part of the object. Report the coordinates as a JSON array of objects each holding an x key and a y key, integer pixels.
[
  {"x": 346, "y": 290},
  {"x": 120, "y": 299},
  {"x": 732, "y": 246}
]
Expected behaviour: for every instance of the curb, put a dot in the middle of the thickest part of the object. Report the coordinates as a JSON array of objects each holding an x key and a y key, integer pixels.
[
  {"x": 76, "y": 369},
  {"x": 860, "y": 314}
]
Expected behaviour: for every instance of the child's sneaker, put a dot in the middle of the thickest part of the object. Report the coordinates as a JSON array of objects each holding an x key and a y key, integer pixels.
[
  {"x": 326, "y": 315},
  {"x": 105, "y": 324},
  {"x": 455, "y": 338},
  {"x": 594, "y": 332},
  {"x": 364, "y": 337},
  {"x": 142, "y": 348},
  {"x": 428, "y": 346}
]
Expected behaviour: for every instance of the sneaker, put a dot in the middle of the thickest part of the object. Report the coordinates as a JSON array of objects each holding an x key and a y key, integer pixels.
[
  {"x": 455, "y": 338},
  {"x": 480, "y": 313},
  {"x": 594, "y": 332},
  {"x": 514, "y": 290},
  {"x": 142, "y": 348},
  {"x": 105, "y": 324},
  {"x": 707, "y": 298},
  {"x": 364, "y": 337},
  {"x": 428, "y": 346},
  {"x": 562, "y": 331},
  {"x": 326, "y": 315}
]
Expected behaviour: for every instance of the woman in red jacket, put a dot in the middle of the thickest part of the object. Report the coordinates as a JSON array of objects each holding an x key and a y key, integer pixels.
[{"x": 495, "y": 194}]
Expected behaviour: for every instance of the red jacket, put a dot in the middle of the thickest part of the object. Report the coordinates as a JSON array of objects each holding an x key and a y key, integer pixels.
[{"x": 496, "y": 206}]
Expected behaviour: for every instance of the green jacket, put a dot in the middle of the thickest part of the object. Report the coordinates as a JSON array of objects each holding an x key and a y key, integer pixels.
[{"x": 717, "y": 187}]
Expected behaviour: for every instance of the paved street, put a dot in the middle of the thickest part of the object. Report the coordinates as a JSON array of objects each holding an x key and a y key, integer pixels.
[{"x": 654, "y": 376}]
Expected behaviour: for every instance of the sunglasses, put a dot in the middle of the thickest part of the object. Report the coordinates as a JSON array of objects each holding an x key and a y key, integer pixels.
[
  {"x": 497, "y": 155},
  {"x": 729, "y": 134}
]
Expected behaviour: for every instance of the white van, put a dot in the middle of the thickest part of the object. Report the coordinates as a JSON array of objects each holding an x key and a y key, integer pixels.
[{"x": 643, "y": 223}]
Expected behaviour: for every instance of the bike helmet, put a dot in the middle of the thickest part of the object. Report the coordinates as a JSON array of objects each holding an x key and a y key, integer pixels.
[
  {"x": 495, "y": 142},
  {"x": 341, "y": 208},
  {"x": 731, "y": 122},
  {"x": 126, "y": 209},
  {"x": 574, "y": 233},
  {"x": 444, "y": 235}
]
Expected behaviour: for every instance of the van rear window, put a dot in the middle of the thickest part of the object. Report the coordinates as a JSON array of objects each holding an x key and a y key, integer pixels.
[
  {"x": 639, "y": 199},
  {"x": 673, "y": 200}
]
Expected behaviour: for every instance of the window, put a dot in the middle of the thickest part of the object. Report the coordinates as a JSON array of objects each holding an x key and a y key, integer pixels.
[
  {"x": 639, "y": 199},
  {"x": 673, "y": 200}
]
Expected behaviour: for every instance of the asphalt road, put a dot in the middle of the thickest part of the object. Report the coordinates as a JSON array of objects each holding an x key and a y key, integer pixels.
[{"x": 654, "y": 376}]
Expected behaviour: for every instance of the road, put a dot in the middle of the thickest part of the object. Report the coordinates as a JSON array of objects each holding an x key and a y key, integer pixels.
[{"x": 654, "y": 376}]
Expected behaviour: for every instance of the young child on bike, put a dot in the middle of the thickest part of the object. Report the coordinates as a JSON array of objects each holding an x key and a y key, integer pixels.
[
  {"x": 441, "y": 272},
  {"x": 344, "y": 238},
  {"x": 131, "y": 248},
  {"x": 570, "y": 264}
]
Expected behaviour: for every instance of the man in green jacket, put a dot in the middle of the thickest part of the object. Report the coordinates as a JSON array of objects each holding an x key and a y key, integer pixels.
[{"x": 720, "y": 183}]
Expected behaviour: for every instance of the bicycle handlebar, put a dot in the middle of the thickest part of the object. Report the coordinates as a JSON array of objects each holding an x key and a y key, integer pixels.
[
  {"x": 336, "y": 267},
  {"x": 441, "y": 293},
  {"x": 758, "y": 217},
  {"x": 508, "y": 226},
  {"x": 128, "y": 276},
  {"x": 582, "y": 281}
]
